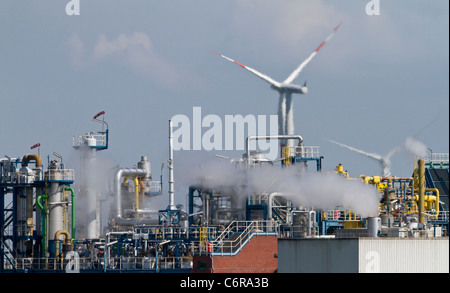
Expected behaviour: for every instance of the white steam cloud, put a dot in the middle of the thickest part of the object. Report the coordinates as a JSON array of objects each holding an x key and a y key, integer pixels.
[
  {"x": 415, "y": 147},
  {"x": 136, "y": 52},
  {"x": 317, "y": 190},
  {"x": 93, "y": 180}
]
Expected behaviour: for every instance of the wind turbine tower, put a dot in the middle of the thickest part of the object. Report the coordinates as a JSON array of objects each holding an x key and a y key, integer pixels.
[{"x": 285, "y": 89}]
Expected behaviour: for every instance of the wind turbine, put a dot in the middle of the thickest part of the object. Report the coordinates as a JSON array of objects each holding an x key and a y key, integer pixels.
[
  {"x": 286, "y": 88},
  {"x": 385, "y": 161}
]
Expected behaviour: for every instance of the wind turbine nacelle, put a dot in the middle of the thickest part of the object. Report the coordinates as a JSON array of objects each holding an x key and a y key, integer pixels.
[{"x": 293, "y": 88}]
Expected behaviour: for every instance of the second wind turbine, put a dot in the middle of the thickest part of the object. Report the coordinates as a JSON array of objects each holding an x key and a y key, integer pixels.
[{"x": 286, "y": 88}]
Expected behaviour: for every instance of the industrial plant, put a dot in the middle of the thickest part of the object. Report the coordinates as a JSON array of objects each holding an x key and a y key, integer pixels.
[
  {"x": 251, "y": 214},
  {"x": 283, "y": 215}
]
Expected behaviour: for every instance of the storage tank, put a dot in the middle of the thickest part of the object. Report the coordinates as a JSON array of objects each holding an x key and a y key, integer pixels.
[
  {"x": 145, "y": 164},
  {"x": 55, "y": 202},
  {"x": 373, "y": 226}
]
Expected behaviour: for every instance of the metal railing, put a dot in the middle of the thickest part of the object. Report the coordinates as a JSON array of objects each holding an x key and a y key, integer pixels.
[
  {"x": 155, "y": 187},
  {"x": 150, "y": 263},
  {"x": 60, "y": 175},
  {"x": 306, "y": 151},
  {"x": 340, "y": 215},
  {"x": 238, "y": 233},
  {"x": 114, "y": 263},
  {"x": 92, "y": 140},
  {"x": 437, "y": 158}
]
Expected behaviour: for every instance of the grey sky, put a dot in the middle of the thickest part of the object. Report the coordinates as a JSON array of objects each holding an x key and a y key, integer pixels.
[{"x": 379, "y": 80}]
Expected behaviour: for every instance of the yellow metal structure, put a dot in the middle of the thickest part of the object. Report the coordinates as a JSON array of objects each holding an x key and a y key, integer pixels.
[
  {"x": 340, "y": 171},
  {"x": 287, "y": 155}
]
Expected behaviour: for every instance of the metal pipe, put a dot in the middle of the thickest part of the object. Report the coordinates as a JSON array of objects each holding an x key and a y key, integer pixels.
[
  {"x": 117, "y": 179},
  {"x": 29, "y": 210},
  {"x": 141, "y": 211},
  {"x": 62, "y": 232},
  {"x": 421, "y": 164},
  {"x": 171, "y": 179},
  {"x": 30, "y": 157},
  {"x": 73, "y": 209},
  {"x": 430, "y": 198},
  {"x": 44, "y": 221},
  {"x": 136, "y": 191},
  {"x": 258, "y": 137},
  {"x": 270, "y": 203},
  {"x": 118, "y": 196},
  {"x": 106, "y": 253}
]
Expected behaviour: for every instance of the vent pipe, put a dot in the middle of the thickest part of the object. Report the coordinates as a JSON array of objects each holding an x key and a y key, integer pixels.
[
  {"x": 421, "y": 164},
  {"x": 171, "y": 180}
]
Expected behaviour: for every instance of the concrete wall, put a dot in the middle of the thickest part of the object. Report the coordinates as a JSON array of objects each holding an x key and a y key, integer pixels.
[
  {"x": 363, "y": 255},
  {"x": 317, "y": 256}
]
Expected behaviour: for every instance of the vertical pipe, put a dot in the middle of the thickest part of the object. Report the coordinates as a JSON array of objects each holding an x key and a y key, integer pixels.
[
  {"x": 73, "y": 211},
  {"x": 29, "y": 210},
  {"x": 421, "y": 191},
  {"x": 136, "y": 188},
  {"x": 14, "y": 215},
  {"x": 171, "y": 180},
  {"x": 44, "y": 222}
]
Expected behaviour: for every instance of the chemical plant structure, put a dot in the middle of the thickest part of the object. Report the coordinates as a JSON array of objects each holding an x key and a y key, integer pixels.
[{"x": 219, "y": 231}]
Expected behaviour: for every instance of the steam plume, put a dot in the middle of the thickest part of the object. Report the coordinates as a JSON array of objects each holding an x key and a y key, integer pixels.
[{"x": 317, "y": 190}]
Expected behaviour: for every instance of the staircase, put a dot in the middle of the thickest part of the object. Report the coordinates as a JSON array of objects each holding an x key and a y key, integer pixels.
[
  {"x": 238, "y": 233},
  {"x": 6, "y": 253}
]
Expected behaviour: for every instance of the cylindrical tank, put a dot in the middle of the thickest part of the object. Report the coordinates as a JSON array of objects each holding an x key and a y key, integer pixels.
[
  {"x": 90, "y": 141},
  {"x": 145, "y": 164},
  {"x": 90, "y": 196},
  {"x": 373, "y": 226},
  {"x": 55, "y": 203}
]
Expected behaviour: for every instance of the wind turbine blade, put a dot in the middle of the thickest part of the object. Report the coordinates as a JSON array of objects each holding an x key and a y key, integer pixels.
[
  {"x": 370, "y": 155},
  {"x": 297, "y": 71},
  {"x": 255, "y": 72}
]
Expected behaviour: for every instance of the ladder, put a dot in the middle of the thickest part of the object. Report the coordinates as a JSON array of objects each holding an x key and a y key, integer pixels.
[
  {"x": 286, "y": 154},
  {"x": 203, "y": 237},
  {"x": 7, "y": 253}
]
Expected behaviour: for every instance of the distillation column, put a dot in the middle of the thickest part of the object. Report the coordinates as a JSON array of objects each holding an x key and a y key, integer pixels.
[{"x": 89, "y": 185}]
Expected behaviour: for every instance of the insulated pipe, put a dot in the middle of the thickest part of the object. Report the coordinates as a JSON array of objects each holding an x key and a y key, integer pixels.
[
  {"x": 73, "y": 210},
  {"x": 117, "y": 179},
  {"x": 62, "y": 232},
  {"x": 269, "y": 203},
  {"x": 66, "y": 241},
  {"x": 141, "y": 212},
  {"x": 35, "y": 157},
  {"x": 171, "y": 180},
  {"x": 258, "y": 137},
  {"x": 118, "y": 197}
]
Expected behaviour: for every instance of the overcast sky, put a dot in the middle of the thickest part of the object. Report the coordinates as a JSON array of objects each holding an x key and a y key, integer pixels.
[{"x": 381, "y": 78}]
